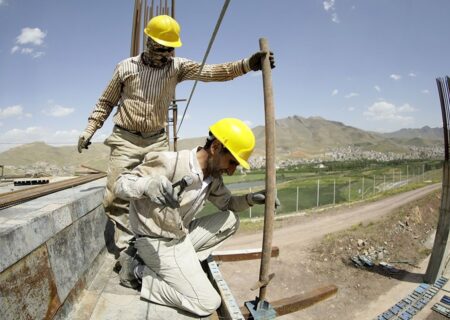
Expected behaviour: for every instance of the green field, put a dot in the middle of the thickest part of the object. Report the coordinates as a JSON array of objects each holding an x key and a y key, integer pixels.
[{"x": 305, "y": 187}]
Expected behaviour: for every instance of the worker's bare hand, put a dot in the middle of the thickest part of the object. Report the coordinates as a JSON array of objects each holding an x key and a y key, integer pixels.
[
  {"x": 255, "y": 60},
  {"x": 84, "y": 141}
]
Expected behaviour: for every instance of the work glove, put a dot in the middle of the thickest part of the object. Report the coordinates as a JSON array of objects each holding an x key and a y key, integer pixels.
[
  {"x": 255, "y": 60},
  {"x": 160, "y": 191},
  {"x": 260, "y": 198},
  {"x": 84, "y": 141}
]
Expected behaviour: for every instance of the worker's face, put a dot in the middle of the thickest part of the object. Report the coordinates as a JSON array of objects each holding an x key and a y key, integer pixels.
[
  {"x": 157, "y": 55},
  {"x": 222, "y": 161}
]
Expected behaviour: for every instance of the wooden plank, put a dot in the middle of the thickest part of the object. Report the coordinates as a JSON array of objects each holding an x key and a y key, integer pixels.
[
  {"x": 299, "y": 302},
  {"x": 244, "y": 254}
]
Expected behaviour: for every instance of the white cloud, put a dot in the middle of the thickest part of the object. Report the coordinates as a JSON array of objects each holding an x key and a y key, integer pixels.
[
  {"x": 58, "y": 111},
  {"x": 26, "y": 50},
  {"x": 334, "y": 17},
  {"x": 425, "y": 91},
  {"x": 377, "y": 88},
  {"x": 29, "y": 134},
  {"x": 32, "y": 134},
  {"x": 11, "y": 111},
  {"x": 385, "y": 111},
  {"x": 395, "y": 77},
  {"x": 335, "y": 92},
  {"x": 351, "y": 109},
  {"x": 351, "y": 95},
  {"x": 31, "y": 36},
  {"x": 412, "y": 75},
  {"x": 329, "y": 6}
]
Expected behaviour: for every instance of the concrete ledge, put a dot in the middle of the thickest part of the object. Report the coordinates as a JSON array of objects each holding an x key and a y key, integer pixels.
[
  {"x": 25, "y": 227},
  {"x": 48, "y": 246}
]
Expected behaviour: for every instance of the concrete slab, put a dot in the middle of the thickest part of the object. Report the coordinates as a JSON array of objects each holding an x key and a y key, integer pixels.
[
  {"x": 105, "y": 299},
  {"x": 72, "y": 301},
  {"x": 72, "y": 250},
  {"x": 117, "y": 306},
  {"x": 29, "y": 225},
  {"x": 27, "y": 294}
]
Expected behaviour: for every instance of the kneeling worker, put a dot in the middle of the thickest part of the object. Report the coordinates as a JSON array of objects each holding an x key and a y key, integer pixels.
[{"x": 169, "y": 240}]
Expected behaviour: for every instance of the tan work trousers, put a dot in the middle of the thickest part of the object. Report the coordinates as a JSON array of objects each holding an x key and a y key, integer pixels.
[
  {"x": 127, "y": 151},
  {"x": 173, "y": 275}
]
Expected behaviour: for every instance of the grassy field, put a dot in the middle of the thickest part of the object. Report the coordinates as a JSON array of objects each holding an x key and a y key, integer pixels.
[{"x": 306, "y": 187}]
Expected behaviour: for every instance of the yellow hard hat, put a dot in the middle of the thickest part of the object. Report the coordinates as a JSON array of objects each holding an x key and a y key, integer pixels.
[
  {"x": 237, "y": 137},
  {"x": 164, "y": 30}
]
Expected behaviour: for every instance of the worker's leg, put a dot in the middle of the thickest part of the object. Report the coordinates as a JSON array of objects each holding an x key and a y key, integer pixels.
[
  {"x": 207, "y": 233},
  {"x": 174, "y": 277},
  {"x": 127, "y": 151}
]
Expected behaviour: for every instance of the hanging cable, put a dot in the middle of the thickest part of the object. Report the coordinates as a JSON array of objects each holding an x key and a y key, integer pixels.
[{"x": 211, "y": 41}]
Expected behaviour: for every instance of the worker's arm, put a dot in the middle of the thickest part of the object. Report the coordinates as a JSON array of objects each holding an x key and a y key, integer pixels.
[
  {"x": 157, "y": 188},
  {"x": 107, "y": 101},
  {"x": 222, "y": 198},
  {"x": 148, "y": 180},
  {"x": 189, "y": 70}
]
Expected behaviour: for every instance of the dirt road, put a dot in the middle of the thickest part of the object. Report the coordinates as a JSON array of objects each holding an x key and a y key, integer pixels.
[{"x": 294, "y": 273}]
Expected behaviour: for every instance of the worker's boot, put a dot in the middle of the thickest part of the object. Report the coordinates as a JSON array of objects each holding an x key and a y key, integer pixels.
[{"x": 129, "y": 259}]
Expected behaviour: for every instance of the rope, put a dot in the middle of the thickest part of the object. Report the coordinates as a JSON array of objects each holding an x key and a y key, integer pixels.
[{"x": 211, "y": 41}]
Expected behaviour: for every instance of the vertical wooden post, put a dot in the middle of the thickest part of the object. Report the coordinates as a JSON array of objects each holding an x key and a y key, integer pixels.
[{"x": 269, "y": 211}]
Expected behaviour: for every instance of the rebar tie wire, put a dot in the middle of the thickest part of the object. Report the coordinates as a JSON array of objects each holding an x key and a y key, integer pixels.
[{"x": 211, "y": 41}]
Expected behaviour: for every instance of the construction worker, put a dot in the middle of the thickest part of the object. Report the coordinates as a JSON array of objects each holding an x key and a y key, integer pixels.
[
  {"x": 142, "y": 87},
  {"x": 170, "y": 241}
]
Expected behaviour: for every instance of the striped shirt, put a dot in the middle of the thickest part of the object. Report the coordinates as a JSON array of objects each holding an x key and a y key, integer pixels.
[{"x": 143, "y": 93}]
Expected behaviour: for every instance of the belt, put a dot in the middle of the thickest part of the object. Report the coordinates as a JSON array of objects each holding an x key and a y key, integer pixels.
[{"x": 143, "y": 134}]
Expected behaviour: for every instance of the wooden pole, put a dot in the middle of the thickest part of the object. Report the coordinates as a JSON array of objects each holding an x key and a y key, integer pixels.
[{"x": 269, "y": 210}]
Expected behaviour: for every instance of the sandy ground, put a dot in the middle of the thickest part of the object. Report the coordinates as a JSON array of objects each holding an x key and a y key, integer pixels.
[{"x": 302, "y": 266}]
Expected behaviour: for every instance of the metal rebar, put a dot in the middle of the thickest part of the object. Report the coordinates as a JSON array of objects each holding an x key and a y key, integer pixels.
[
  {"x": 269, "y": 210},
  {"x": 12, "y": 198},
  {"x": 211, "y": 41}
]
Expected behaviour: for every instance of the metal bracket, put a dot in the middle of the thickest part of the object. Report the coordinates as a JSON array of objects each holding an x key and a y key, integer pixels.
[
  {"x": 260, "y": 283},
  {"x": 260, "y": 309}
]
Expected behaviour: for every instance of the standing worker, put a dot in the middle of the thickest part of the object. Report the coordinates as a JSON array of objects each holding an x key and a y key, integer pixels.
[
  {"x": 170, "y": 240},
  {"x": 142, "y": 88}
]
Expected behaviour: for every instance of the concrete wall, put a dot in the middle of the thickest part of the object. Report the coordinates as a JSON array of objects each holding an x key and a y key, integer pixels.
[{"x": 49, "y": 250}]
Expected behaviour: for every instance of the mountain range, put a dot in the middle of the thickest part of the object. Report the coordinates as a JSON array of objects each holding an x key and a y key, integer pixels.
[{"x": 296, "y": 137}]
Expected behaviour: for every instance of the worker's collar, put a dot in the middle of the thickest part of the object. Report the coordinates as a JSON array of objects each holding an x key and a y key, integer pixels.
[{"x": 194, "y": 164}]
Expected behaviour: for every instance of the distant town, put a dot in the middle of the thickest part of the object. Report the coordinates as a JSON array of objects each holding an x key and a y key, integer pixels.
[{"x": 349, "y": 153}]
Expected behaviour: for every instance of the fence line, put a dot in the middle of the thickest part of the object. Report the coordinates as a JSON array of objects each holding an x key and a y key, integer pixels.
[{"x": 332, "y": 191}]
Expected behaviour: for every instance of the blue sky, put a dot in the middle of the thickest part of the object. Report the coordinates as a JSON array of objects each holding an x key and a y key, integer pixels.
[{"x": 370, "y": 64}]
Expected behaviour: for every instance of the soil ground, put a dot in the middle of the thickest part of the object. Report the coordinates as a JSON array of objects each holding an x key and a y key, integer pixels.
[{"x": 316, "y": 250}]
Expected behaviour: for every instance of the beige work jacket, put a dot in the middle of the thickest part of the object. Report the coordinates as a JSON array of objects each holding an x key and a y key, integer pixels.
[{"x": 149, "y": 219}]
